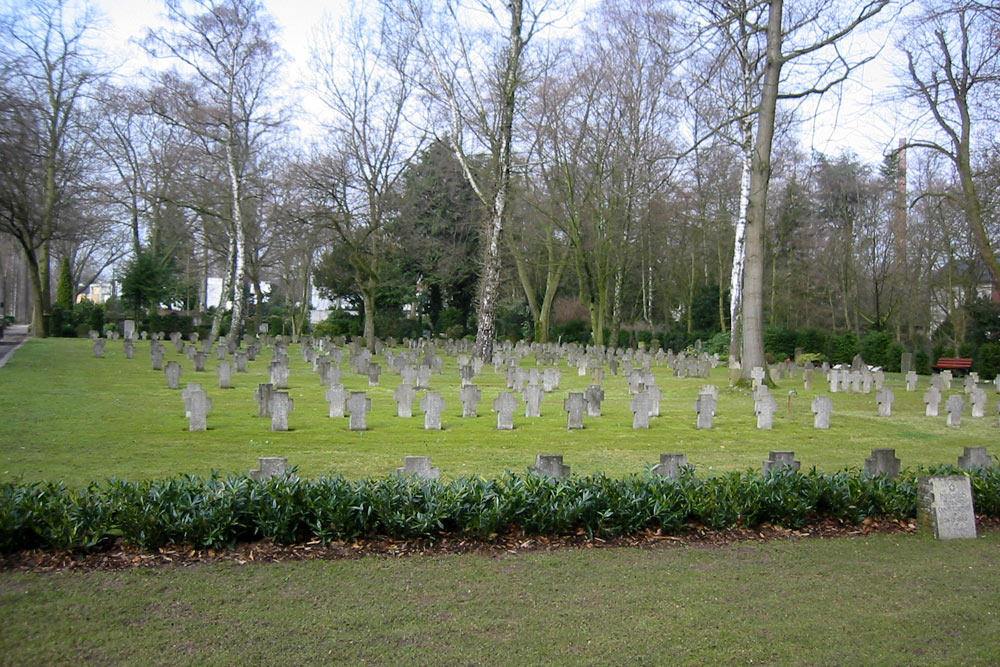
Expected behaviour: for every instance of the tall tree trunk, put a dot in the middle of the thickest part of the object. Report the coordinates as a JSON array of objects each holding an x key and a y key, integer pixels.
[
  {"x": 368, "y": 299},
  {"x": 226, "y": 293},
  {"x": 239, "y": 242},
  {"x": 739, "y": 242},
  {"x": 760, "y": 174}
]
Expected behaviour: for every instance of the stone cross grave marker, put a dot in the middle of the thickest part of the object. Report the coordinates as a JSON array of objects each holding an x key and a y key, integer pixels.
[
  {"x": 834, "y": 377},
  {"x": 807, "y": 379},
  {"x": 99, "y": 347},
  {"x": 279, "y": 375},
  {"x": 225, "y": 373},
  {"x": 765, "y": 409},
  {"x": 640, "y": 405},
  {"x": 423, "y": 378},
  {"x": 757, "y": 376},
  {"x": 655, "y": 396},
  {"x": 262, "y": 394},
  {"x": 466, "y": 374},
  {"x": 186, "y": 393},
  {"x": 198, "y": 406},
  {"x": 777, "y": 460},
  {"x": 550, "y": 379},
  {"x": 433, "y": 405},
  {"x": 470, "y": 395},
  {"x": 240, "y": 357},
  {"x": 822, "y": 407},
  {"x": 333, "y": 375},
  {"x": 420, "y": 467},
  {"x": 173, "y": 372},
  {"x": 336, "y": 396},
  {"x": 504, "y": 405},
  {"x": 574, "y": 406},
  {"x": 635, "y": 382},
  {"x": 932, "y": 400},
  {"x": 704, "y": 408},
  {"x": 404, "y": 395},
  {"x": 156, "y": 357},
  {"x": 358, "y": 406},
  {"x": 373, "y": 371},
  {"x": 322, "y": 367},
  {"x": 885, "y": 398},
  {"x": 408, "y": 375},
  {"x": 978, "y": 399},
  {"x": 954, "y": 406},
  {"x": 946, "y": 378},
  {"x": 220, "y": 353},
  {"x": 282, "y": 405},
  {"x": 670, "y": 465},
  {"x": 594, "y": 395},
  {"x": 883, "y": 462},
  {"x": 911, "y": 381},
  {"x": 267, "y": 467},
  {"x": 129, "y": 348},
  {"x": 533, "y": 401},
  {"x": 975, "y": 457},
  {"x": 199, "y": 362},
  {"x": 944, "y": 507},
  {"x": 550, "y": 465},
  {"x": 969, "y": 384}
]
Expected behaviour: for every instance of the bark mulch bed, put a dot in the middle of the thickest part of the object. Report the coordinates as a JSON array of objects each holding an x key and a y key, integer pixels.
[{"x": 118, "y": 556}]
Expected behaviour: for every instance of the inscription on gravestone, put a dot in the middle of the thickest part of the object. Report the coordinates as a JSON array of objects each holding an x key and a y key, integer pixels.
[{"x": 944, "y": 507}]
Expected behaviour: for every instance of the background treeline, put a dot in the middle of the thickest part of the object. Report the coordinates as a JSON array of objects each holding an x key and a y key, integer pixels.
[{"x": 619, "y": 179}]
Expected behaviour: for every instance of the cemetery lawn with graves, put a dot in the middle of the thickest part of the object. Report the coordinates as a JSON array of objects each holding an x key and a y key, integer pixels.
[
  {"x": 74, "y": 418},
  {"x": 899, "y": 598}
]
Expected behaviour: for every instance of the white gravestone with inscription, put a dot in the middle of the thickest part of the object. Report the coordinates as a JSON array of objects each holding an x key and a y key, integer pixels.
[{"x": 945, "y": 506}]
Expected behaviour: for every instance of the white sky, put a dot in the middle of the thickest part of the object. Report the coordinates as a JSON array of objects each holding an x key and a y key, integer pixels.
[{"x": 849, "y": 121}]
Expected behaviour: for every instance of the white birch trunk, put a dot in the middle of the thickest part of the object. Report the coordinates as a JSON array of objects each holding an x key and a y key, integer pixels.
[{"x": 239, "y": 255}]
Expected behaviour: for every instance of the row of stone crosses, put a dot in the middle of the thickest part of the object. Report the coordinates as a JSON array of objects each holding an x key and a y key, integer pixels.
[
  {"x": 532, "y": 383},
  {"x": 881, "y": 462}
]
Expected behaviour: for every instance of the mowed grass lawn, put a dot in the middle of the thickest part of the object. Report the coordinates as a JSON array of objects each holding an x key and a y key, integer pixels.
[
  {"x": 902, "y": 599},
  {"x": 68, "y": 416}
]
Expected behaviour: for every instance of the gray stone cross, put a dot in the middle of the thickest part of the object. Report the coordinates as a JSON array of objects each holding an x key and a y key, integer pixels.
[
  {"x": 640, "y": 406},
  {"x": 336, "y": 395},
  {"x": 404, "y": 395},
  {"x": 594, "y": 395},
  {"x": 885, "y": 399},
  {"x": 954, "y": 406},
  {"x": 822, "y": 407},
  {"x": 504, "y": 405},
  {"x": 173, "y": 372},
  {"x": 225, "y": 372},
  {"x": 279, "y": 375},
  {"x": 932, "y": 400},
  {"x": 281, "y": 406},
  {"x": 433, "y": 405},
  {"x": 198, "y": 406},
  {"x": 533, "y": 396},
  {"x": 574, "y": 405},
  {"x": 704, "y": 408},
  {"x": 263, "y": 395},
  {"x": 358, "y": 405},
  {"x": 470, "y": 395},
  {"x": 420, "y": 467}
]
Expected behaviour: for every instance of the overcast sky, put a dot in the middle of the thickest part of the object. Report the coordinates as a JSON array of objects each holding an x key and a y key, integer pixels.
[{"x": 852, "y": 120}]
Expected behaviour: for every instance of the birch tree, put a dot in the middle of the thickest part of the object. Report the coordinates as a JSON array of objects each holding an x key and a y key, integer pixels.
[
  {"x": 476, "y": 78},
  {"x": 806, "y": 41},
  {"x": 225, "y": 66}
]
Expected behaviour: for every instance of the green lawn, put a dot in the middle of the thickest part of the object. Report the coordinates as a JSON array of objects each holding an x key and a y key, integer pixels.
[
  {"x": 885, "y": 599},
  {"x": 69, "y": 416}
]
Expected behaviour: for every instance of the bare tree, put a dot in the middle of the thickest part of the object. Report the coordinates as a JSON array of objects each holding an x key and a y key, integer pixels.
[
  {"x": 368, "y": 88},
  {"x": 809, "y": 36},
  {"x": 229, "y": 63},
  {"x": 46, "y": 71},
  {"x": 475, "y": 77},
  {"x": 953, "y": 69}
]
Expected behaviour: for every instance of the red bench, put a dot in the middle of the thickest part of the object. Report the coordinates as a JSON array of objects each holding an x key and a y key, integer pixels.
[{"x": 953, "y": 364}]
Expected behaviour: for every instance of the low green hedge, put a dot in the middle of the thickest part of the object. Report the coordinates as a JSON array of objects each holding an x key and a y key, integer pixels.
[{"x": 212, "y": 512}]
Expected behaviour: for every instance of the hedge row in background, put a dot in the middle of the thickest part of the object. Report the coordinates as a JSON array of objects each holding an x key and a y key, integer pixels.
[{"x": 216, "y": 512}]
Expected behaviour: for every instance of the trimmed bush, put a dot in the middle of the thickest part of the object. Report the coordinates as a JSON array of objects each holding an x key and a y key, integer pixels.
[{"x": 212, "y": 512}]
